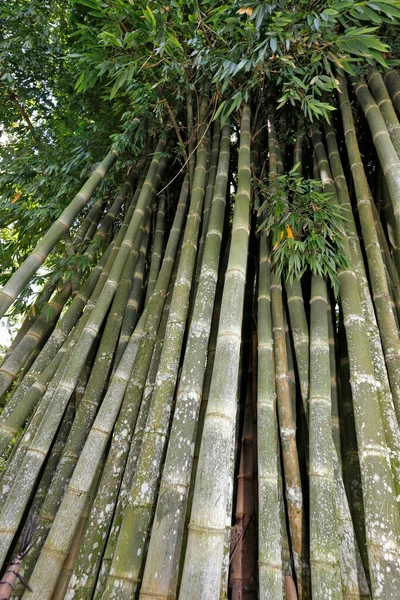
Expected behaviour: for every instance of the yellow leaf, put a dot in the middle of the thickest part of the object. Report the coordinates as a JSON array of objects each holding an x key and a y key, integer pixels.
[
  {"x": 16, "y": 197},
  {"x": 245, "y": 11},
  {"x": 289, "y": 231}
]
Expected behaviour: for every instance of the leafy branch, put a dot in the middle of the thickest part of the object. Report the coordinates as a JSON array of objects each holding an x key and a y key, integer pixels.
[{"x": 305, "y": 227}]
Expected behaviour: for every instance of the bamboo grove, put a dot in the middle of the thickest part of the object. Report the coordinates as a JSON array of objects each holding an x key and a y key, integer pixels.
[{"x": 210, "y": 408}]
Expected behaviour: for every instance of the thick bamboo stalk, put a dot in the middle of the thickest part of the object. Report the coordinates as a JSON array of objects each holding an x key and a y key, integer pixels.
[
  {"x": 335, "y": 416},
  {"x": 324, "y": 551},
  {"x": 75, "y": 310},
  {"x": 134, "y": 303},
  {"x": 392, "y": 81},
  {"x": 269, "y": 539},
  {"x": 386, "y": 394},
  {"x": 16, "y": 459},
  {"x": 203, "y": 560},
  {"x": 32, "y": 314},
  {"x": 94, "y": 539},
  {"x": 382, "y": 527},
  {"x": 61, "y": 533},
  {"x": 389, "y": 260},
  {"x": 129, "y": 552},
  {"x": 202, "y": 411},
  {"x": 120, "y": 200},
  {"x": 286, "y": 410},
  {"x": 95, "y": 281},
  {"x": 295, "y": 301},
  {"x": 388, "y": 158},
  {"x": 88, "y": 406},
  {"x": 354, "y": 580},
  {"x": 23, "y": 275},
  {"x": 168, "y": 525},
  {"x": 212, "y": 173},
  {"x": 350, "y": 457},
  {"x": 191, "y": 137},
  {"x": 130, "y": 469},
  {"x": 36, "y": 335},
  {"x": 287, "y": 429},
  {"x": 126, "y": 422},
  {"x": 34, "y": 385},
  {"x": 384, "y": 102},
  {"x": 92, "y": 218},
  {"x": 133, "y": 306},
  {"x": 158, "y": 243},
  {"x": 44, "y": 367},
  {"x": 243, "y": 573},
  {"x": 16, "y": 501},
  {"x": 380, "y": 291}
]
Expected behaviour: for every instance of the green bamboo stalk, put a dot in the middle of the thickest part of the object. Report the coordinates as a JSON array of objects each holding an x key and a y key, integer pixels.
[
  {"x": 382, "y": 527},
  {"x": 134, "y": 301},
  {"x": 16, "y": 501},
  {"x": 386, "y": 395},
  {"x": 335, "y": 417},
  {"x": 168, "y": 525},
  {"x": 287, "y": 429},
  {"x": 75, "y": 310},
  {"x": 88, "y": 407},
  {"x": 202, "y": 411},
  {"x": 392, "y": 229},
  {"x": 33, "y": 312},
  {"x": 389, "y": 261},
  {"x": 380, "y": 291},
  {"x": 286, "y": 553},
  {"x": 51, "y": 465},
  {"x": 388, "y": 158},
  {"x": 129, "y": 551},
  {"x": 295, "y": 301},
  {"x": 382, "y": 98},
  {"x": 350, "y": 457},
  {"x": 93, "y": 217},
  {"x": 212, "y": 173},
  {"x": 129, "y": 472},
  {"x": 354, "y": 580},
  {"x": 88, "y": 566},
  {"x": 324, "y": 550},
  {"x": 102, "y": 511},
  {"x": 66, "y": 521},
  {"x": 286, "y": 412},
  {"x": 202, "y": 566},
  {"x": 16, "y": 459},
  {"x": 35, "y": 383},
  {"x": 123, "y": 433},
  {"x": 68, "y": 566},
  {"x": 24, "y": 273},
  {"x": 101, "y": 234},
  {"x": 158, "y": 243},
  {"x": 226, "y": 552},
  {"x": 41, "y": 329},
  {"x": 392, "y": 82},
  {"x": 351, "y": 568},
  {"x": 269, "y": 538},
  {"x": 139, "y": 175},
  {"x": 91, "y": 567}
]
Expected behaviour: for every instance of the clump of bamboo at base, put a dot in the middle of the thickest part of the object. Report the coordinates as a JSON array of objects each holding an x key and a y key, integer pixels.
[{"x": 148, "y": 413}]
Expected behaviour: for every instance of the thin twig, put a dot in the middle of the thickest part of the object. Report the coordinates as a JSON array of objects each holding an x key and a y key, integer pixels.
[
  {"x": 190, "y": 155},
  {"x": 177, "y": 131}
]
